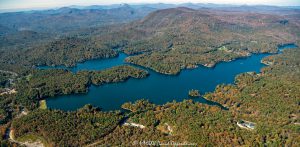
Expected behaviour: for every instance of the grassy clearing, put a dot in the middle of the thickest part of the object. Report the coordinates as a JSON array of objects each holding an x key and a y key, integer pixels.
[
  {"x": 43, "y": 104},
  {"x": 223, "y": 48},
  {"x": 31, "y": 138}
]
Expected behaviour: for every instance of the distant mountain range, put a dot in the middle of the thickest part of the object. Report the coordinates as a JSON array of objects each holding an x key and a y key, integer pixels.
[
  {"x": 68, "y": 19},
  {"x": 71, "y": 18},
  {"x": 154, "y": 5}
]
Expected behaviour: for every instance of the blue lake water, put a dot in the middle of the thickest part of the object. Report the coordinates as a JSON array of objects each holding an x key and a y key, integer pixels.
[
  {"x": 157, "y": 88},
  {"x": 98, "y": 64}
]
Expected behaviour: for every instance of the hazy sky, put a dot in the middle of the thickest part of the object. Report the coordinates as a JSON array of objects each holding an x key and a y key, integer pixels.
[{"x": 13, "y": 4}]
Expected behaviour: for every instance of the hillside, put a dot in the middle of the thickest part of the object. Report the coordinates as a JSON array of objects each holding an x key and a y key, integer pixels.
[
  {"x": 166, "y": 40},
  {"x": 178, "y": 38},
  {"x": 25, "y": 30},
  {"x": 67, "y": 19}
]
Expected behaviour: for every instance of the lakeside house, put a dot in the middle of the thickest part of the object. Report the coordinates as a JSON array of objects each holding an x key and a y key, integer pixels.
[{"x": 246, "y": 125}]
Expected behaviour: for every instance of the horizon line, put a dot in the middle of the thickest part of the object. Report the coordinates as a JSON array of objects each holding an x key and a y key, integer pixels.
[{"x": 61, "y": 6}]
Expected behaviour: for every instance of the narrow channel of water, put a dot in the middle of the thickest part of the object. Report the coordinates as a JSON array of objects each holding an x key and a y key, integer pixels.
[
  {"x": 97, "y": 64},
  {"x": 158, "y": 88}
]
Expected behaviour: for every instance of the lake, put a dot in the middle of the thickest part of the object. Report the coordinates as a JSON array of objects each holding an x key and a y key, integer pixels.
[{"x": 157, "y": 88}]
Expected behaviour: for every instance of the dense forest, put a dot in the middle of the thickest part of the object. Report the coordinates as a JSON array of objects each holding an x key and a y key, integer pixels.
[
  {"x": 117, "y": 74},
  {"x": 139, "y": 105},
  {"x": 66, "y": 51},
  {"x": 188, "y": 37},
  {"x": 67, "y": 128},
  {"x": 41, "y": 84},
  {"x": 166, "y": 41}
]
